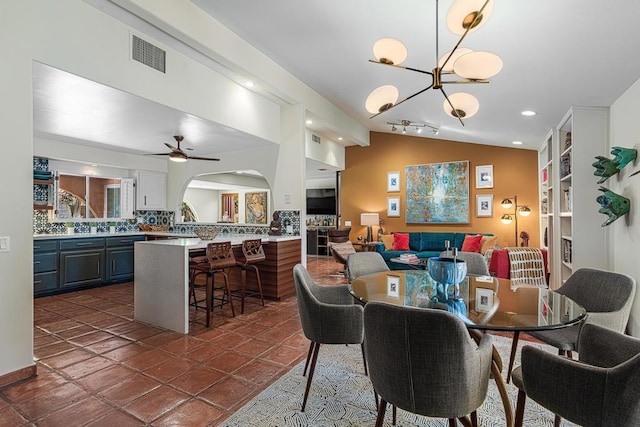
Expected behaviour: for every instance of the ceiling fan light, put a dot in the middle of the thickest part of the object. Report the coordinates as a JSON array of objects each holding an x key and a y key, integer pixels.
[
  {"x": 464, "y": 105},
  {"x": 462, "y": 14},
  {"x": 390, "y": 51},
  {"x": 478, "y": 65},
  {"x": 456, "y": 54},
  {"x": 381, "y": 99},
  {"x": 177, "y": 157}
]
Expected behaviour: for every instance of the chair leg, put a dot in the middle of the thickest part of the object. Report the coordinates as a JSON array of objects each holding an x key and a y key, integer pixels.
[
  {"x": 466, "y": 421},
  {"x": 557, "y": 420},
  {"x": 394, "y": 413},
  {"x": 452, "y": 422},
  {"x": 474, "y": 418},
  {"x": 259, "y": 281},
  {"x": 382, "y": 408},
  {"x": 522, "y": 398},
  {"x": 228, "y": 291},
  {"x": 364, "y": 360},
  {"x": 306, "y": 365},
  {"x": 243, "y": 284},
  {"x": 209, "y": 297},
  {"x": 514, "y": 347},
  {"x": 310, "y": 377}
]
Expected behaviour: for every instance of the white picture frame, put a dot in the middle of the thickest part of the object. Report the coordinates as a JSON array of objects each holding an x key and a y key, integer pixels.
[
  {"x": 484, "y": 176},
  {"x": 484, "y": 205},
  {"x": 393, "y": 182},
  {"x": 484, "y": 299},
  {"x": 393, "y": 286},
  {"x": 393, "y": 207}
]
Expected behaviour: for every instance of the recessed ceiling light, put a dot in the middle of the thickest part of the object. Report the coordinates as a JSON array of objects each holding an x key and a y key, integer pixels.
[
  {"x": 249, "y": 84},
  {"x": 528, "y": 113},
  {"x": 517, "y": 142},
  {"x": 309, "y": 121},
  {"x": 339, "y": 138}
]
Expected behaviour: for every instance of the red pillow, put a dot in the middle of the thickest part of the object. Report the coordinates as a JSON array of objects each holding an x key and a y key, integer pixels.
[
  {"x": 472, "y": 243},
  {"x": 400, "y": 241}
]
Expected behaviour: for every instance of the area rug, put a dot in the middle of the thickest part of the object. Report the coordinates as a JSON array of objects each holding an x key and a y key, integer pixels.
[{"x": 341, "y": 395}]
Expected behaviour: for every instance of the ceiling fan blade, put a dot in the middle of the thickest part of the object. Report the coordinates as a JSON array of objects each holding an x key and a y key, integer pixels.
[
  {"x": 451, "y": 105},
  {"x": 203, "y": 158},
  {"x": 406, "y": 99},
  {"x": 157, "y": 154},
  {"x": 172, "y": 148}
]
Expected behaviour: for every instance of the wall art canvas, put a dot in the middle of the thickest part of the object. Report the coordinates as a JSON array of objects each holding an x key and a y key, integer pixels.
[
  {"x": 255, "y": 208},
  {"x": 437, "y": 193}
]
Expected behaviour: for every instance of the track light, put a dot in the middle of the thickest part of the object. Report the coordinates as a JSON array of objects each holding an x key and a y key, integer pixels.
[{"x": 409, "y": 124}]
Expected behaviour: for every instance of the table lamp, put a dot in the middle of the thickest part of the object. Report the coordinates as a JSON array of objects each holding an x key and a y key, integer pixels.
[{"x": 369, "y": 219}]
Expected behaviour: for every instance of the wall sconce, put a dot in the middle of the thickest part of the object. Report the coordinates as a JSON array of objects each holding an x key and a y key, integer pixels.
[
  {"x": 369, "y": 220},
  {"x": 521, "y": 210}
]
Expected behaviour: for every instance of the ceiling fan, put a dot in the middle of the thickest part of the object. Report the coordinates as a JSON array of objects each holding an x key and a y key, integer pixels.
[{"x": 177, "y": 154}]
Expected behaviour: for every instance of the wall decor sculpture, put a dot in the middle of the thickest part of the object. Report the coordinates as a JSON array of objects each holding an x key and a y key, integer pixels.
[
  {"x": 437, "y": 193},
  {"x": 613, "y": 205},
  {"x": 606, "y": 168}
]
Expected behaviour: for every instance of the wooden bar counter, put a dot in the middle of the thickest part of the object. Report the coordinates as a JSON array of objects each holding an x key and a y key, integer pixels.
[{"x": 161, "y": 275}]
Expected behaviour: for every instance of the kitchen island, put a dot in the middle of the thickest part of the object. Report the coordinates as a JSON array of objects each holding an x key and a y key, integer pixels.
[{"x": 161, "y": 275}]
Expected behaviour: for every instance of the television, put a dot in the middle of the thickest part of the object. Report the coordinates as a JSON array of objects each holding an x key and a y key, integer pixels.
[{"x": 321, "y": 201}]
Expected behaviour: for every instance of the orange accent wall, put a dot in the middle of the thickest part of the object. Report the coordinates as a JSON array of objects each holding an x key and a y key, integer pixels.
[{"x": 364, "y": 183}]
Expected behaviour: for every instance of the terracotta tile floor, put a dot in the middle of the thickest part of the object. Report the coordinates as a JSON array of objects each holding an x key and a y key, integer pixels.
[{"x": 99, "y": 367}]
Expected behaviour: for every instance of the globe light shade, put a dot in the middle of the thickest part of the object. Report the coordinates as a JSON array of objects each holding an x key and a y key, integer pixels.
[
  {"x": 456, "y": 54},
  {"x": 524, "y": 211},
  {"x": 506, "y": 203},
  {"x": 464, "y": 105},
  {"x": 381, "y": 99},
  {"x": 478, "y": 65},
  {"x": 462, "y": 14},
  {"x": 506, "y": 219},
  {"x": 390, "y": 51}
]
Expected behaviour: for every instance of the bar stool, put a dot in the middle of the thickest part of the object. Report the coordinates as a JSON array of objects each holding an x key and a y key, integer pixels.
[
  {"x": 253, "y": 253},
  {"x": 220, "y": 257}
]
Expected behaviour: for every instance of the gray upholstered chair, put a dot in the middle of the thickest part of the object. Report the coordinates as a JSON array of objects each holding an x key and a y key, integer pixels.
[
  {"x": 424, "y": 361},
  {"x": 476, "y": 262},
  {"x": 602, "y": 389},
  {"x": 607, "y": 297},
  {"x": 361, "y": 263},
  {"x": 328, "y": 316}
]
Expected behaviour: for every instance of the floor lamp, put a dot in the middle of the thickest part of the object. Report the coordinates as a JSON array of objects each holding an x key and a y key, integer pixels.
[
  {"x": 508, "y": 217},
  {"x": 369, "y": 220}
]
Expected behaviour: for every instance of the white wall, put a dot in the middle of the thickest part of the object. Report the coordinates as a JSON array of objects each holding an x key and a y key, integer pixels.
[
  {"x": 205, "y": 203},
  {"x": 625, "y": 232}
]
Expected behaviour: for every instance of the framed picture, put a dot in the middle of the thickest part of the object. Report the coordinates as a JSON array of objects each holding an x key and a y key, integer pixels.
[
  {"x": 484, "y": 176},
  {"x": 393, "y": 182},
  {"x": 393, "y": 286},
  {"x": 393, "y": 207},
  {"x": 484, "y": 205},
  {"x": 484, "y": 299}
]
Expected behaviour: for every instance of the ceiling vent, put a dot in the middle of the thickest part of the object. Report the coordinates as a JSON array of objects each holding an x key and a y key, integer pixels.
[
  {"x": 315, "y": 138},
  {"x": 148, "y": 54}
]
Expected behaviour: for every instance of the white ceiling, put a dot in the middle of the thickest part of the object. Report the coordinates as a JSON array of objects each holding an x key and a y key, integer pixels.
[{"x": 556, "y": 54}]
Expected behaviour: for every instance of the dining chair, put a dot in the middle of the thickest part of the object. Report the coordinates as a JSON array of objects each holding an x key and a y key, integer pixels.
[
  {"x": 424, "y": 361},
  {"x": 361, "y": 263},
  {"x": 602, "y": 388},
  {"x": 252, "y": 253},
  {"x": 219, "y": 259},
  {"x": 476, "y": 262},
  {"x": 605, "y": 295},
  {"x": 328, "y": 316}
]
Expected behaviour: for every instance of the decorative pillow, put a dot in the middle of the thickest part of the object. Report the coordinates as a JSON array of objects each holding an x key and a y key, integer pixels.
[
  {"x": 472, "y": 243},
  {"x": 387, "y": 239},
  {"x": 400, "y": 241},
  {"x": 487, "y": 242}
]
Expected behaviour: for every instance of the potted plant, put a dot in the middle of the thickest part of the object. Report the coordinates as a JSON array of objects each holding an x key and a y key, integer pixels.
[
  {"x": 93, "y": 226},
  {"x": 112, "y": 227},
  {"x": 70, "y": 227}
]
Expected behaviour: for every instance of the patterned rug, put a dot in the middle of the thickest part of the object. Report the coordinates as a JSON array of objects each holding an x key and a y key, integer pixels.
[{"x": 341, "y": 395}]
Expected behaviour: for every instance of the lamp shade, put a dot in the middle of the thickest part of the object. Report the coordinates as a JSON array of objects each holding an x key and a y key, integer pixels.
[
  {"x": 390, "y": 51},
  {"x": 463, "y": 13},
  {"x": 524, "y": 211},
  {"x": 506, "y": 219},
  {"x": 369, "y": 219},
  {"x": 456, "y": 54},
  {"x": 381, "y": 99},
  {"x": 506, "y": 203},
  {"x": 464, "y": 105},
  {"x": 478, "y": 65}
]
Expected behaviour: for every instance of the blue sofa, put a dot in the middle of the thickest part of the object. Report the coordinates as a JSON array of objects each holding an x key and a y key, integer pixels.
[{"x": 424, "y": 244}]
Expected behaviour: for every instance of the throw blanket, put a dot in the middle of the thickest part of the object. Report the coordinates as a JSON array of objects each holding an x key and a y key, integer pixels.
[{"x": 527, "y": 266}]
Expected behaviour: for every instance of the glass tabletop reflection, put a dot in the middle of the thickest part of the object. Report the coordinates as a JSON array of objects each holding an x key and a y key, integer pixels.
[{"x": 480, "y": 301}]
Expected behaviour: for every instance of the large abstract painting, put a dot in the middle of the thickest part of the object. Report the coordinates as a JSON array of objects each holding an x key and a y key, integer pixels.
[
  {"x": 437, "y": 193},
  {"x": 255, "y": 208}
]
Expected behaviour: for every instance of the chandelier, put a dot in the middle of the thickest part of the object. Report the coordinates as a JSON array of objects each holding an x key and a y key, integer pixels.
[
  {"x": 404, "y": 124},
  {"x": 464, "y": 17}
]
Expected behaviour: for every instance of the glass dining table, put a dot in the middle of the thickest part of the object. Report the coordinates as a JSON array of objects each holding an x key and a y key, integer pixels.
[{"x": 482, "y": 302}]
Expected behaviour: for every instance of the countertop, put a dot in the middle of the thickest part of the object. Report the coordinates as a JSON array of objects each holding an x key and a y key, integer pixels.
[{"x": 182, "y": 239}]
